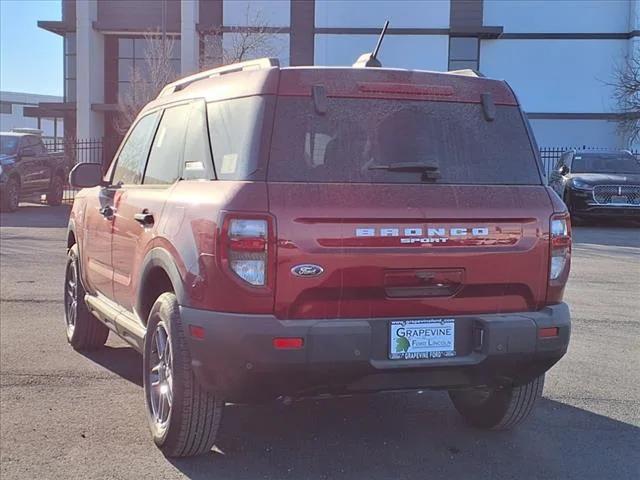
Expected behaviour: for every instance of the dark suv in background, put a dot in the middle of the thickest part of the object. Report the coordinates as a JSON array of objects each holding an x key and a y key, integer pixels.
[
  {"x": 271, "y": 232},
  {"x": 598, "y": 184},
  {"x": 28, "y": 170}
]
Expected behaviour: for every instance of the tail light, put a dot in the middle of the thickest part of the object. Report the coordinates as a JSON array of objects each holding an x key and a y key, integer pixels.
[
  {"x": 246, "y": 248},
  {"x": 560, "y": 261},
  {"x": 560, "y": 246}
]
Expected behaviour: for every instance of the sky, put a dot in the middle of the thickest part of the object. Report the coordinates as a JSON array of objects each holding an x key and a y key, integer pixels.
[{"x": 30, "y": 58}]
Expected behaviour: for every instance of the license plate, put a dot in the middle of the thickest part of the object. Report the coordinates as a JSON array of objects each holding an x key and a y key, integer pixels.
[
  {"x": 416, "y": 339},
  {"x": 618, "y": 199}
]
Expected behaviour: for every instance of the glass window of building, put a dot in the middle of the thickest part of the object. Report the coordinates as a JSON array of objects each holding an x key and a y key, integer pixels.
[
  {"x": 463, "y": 53},
  {"x": 138, "y": 56},
  {"x": 70, "y": 67}
]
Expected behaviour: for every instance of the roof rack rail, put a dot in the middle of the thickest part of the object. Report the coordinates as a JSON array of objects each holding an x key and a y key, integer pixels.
[
  {"x": 467, "y": 72},
  {"x": 256, "y": 64},
  {"x": 31, "y": 131}
]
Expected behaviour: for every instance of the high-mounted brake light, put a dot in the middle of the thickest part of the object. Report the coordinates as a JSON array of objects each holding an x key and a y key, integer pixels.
[
  {"x": 560, "y": 230},
  {"x": 247, "y": 249}
]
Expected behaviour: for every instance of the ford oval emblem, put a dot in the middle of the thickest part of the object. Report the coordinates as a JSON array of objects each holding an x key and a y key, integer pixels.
[{"x": 307, "y": 270}]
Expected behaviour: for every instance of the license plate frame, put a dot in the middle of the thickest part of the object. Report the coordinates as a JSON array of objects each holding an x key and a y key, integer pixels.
[
  {"x": 424, "y": 339},
  {"x": 619, "y": 199}
]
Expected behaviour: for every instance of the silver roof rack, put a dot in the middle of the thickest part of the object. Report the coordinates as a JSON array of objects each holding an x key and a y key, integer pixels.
[
  {"x": 30, "y": 131},
  {"x": 256, "y": 64},
  {"x": 467, "y": 72}
]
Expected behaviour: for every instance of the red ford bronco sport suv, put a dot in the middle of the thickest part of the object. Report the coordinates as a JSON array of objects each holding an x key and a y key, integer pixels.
[{"x": 269, "y": 232}]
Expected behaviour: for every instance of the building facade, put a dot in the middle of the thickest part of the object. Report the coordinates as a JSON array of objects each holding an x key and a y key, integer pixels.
[
  {"x": 14, "y": 105},
  {"x": 558, "y": 55}
]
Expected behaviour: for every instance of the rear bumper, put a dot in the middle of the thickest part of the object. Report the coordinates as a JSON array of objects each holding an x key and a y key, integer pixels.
[{"x": 236, "y": 357}]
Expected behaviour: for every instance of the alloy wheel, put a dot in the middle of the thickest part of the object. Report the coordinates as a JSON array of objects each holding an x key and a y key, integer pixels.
[
  {"x": 71, "y": 297},
  {"x": 161, "y": 376}
]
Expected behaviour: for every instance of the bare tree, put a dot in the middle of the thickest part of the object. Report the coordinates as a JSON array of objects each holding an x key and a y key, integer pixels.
[
  {"x": 255, "y": 39},
  {"x": 146, "y": 78},
  {"x": 626, "y": 92}
]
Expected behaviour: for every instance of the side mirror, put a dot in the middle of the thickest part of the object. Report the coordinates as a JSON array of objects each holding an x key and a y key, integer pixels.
[
  {"x": 28, "y": 152},
  {"x": 86, "y": 175},
  {"x": 564, "y": 170}
]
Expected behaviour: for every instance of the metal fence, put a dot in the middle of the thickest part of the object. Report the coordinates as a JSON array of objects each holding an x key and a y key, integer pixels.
[
  {"x": 97, "y": 150},
  {"x": 550, "y": 155},
  {"x": 101, "y": 150}
]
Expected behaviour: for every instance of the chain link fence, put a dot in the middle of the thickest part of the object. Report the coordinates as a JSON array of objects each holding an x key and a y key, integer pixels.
[{"x": 102, "y": 150}]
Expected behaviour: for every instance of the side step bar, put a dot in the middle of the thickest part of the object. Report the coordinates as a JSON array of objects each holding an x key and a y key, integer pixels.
[{"x": 124, "y": 323}]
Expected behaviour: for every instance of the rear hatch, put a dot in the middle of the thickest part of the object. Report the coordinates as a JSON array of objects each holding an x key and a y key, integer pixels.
[{"x": 405, "y": 207}]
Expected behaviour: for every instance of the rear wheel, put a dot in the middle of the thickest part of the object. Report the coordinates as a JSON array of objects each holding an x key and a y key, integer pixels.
[
  {"x": 499, "y": 408},
  {"x": 10, "y": 196},
  {"x": 184, "y": 417},
  {"x": 56, "y": 191},
  {"x": 84, "y": 331}
]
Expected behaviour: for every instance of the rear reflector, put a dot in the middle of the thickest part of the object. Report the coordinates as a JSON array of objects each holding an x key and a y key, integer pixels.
[
  {"x": 548, "y": 332},
  {"x": 196, "y": 332},
  {"x": 291, "y": 343}
]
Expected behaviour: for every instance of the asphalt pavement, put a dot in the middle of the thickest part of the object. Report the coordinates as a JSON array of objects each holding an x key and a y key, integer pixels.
[{"x": 65, "y": 415}]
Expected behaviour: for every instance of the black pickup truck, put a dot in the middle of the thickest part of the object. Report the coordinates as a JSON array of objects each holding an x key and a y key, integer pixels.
[{"x": 28, "y": 170}]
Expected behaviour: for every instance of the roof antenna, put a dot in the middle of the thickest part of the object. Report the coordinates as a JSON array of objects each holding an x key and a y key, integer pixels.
[{"x": 370, "y": 59}]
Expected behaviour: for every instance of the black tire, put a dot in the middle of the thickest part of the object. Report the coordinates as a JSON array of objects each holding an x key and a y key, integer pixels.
[
  {"x": 56, "y": 191},
  {"x": 190, "y": 423},
  {"x": 498, "y": 409},
  {"x": 10, "y": 196},
  {"x": 84, "y": 331}
]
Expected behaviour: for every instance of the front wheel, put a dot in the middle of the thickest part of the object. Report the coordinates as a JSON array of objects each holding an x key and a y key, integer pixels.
[
  {"x": 184, "y": 417},
  {"x": 56, "y": 191},
  {"x": 498, "y": 408},
  {"x": 84, "y": 331},
  {"x": 10, "y": 196}
]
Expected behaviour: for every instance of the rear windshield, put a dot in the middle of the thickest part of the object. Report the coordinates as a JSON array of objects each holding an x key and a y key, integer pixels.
[
  {"x": 360, "y": 141},
  {"x": 605, "y": 163}
]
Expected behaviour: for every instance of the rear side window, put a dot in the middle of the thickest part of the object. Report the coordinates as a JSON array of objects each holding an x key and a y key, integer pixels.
[
  {"x": 356, "y": 137},
  {"x": 197, "y": 152},
  {"x": 165, "y": 159},
  {"x": 237, "y": 129},
  {"x": 133, "y": 155}
]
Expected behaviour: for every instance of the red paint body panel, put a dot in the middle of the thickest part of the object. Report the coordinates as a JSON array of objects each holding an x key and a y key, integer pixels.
[
  {"x": 190, "y": 229},
  {"x": 504, "y": 271},
  {"x": 130, "y": 240}
]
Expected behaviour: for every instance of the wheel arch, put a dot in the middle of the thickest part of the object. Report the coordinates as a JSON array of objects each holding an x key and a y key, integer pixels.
[
  {"x": 158, "y": 274},
  {"x": 59, "y": 172},
  {"x": 71, "y": 235},
  {"x": 16, "y": 176}
]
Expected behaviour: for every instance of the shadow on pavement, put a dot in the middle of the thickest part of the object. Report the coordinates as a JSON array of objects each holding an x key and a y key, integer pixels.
[
  {"x": 123, "y": 361},
  {"x": 397, "y": 436},
  {"x": 400, "y": 435},
  {"x": 37, "y": 216}
]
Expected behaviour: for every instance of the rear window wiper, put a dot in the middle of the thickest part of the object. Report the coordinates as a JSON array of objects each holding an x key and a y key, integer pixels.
[{"x": 429, "y": 172}]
